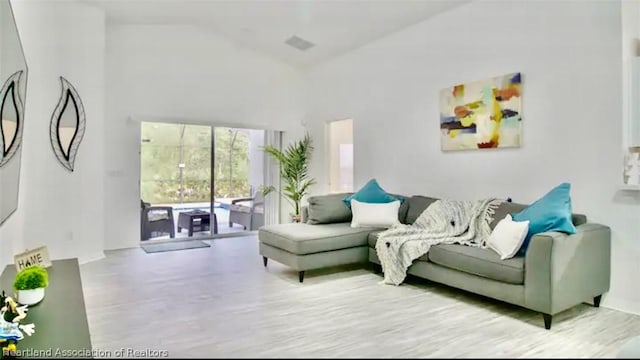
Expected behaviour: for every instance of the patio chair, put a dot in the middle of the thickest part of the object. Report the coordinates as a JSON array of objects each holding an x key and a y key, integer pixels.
[
  {"x": 156, "y": 220},
  {"x": 248, "y": 212}
]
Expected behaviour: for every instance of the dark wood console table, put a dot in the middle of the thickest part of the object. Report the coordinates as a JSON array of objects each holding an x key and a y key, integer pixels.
[{"x": 61, "y": 326}]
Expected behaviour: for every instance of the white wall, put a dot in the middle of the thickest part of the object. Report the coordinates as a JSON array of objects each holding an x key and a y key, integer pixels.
[
  {"x": 57, "y": 208},
  {"x": 630, "y": 53},
  {"x": 569, "y": 54},
  {"x": 182, "y": 73}
]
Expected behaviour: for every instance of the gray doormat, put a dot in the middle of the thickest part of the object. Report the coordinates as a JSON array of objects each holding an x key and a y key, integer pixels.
[{"x": 175, "y": 245}]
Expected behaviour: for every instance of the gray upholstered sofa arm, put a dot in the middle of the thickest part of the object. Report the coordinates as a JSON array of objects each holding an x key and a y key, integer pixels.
[{"x": 564, "y": 270}]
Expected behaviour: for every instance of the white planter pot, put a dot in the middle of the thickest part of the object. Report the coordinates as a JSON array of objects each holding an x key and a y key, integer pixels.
[{"x": 30, "y": 297}]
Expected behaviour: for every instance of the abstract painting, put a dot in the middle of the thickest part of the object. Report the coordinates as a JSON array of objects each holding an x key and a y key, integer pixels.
[{"x": 483, "y": 114}]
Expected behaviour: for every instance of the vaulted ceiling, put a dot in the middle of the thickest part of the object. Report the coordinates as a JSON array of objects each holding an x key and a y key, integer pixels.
[{"x": 334, "y": 27}]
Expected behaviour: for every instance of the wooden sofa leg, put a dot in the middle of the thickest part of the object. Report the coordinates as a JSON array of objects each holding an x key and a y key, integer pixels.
[
  {"x": 547, "y": 321},
  {"x": 264, "y": 260},
  {"x": 301, "y": 276},
  {"x": 596, "y": 301}
]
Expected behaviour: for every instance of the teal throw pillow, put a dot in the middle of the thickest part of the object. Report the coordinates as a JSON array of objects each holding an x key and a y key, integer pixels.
[
  {"x": 371, "y": 192},
  {"x": 552, "y": 212}
]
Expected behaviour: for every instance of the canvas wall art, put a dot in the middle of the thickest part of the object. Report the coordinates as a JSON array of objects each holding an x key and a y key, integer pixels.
[{"x": 482, "y": 114}]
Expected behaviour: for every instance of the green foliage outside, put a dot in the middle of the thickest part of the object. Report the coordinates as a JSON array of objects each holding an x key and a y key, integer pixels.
[
  {"x": 32, "y": 277},
  {"x": 164, "y": 181}
]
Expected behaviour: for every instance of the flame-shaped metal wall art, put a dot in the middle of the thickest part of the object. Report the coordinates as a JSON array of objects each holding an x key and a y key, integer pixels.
[
  {"x": 67, "y": 125},
  {"x": 11, "y": 110}
]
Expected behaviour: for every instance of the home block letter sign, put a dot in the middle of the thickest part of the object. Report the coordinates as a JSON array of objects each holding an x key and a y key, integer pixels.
[{"x": 39, "y": 256}]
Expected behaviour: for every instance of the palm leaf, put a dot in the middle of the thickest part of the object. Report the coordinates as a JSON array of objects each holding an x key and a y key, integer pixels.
[{"x": 294, "y": 169}]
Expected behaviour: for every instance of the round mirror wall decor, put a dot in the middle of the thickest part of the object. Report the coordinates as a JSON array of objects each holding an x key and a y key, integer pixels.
[{"x": 67, "y": 125}]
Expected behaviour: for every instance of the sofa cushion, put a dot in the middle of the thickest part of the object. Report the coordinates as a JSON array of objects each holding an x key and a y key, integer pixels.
[
  {"x": 371, "y": 192},
  {"x": 506, "y": 239},
  {"x": 511, "y": 208},
  {"x": 552, "y": 212},
  {"x": 373, "y": 239},
  {"x": 374, "y": 215},
  {"x": 417, "y": 204},
  {"x": 504, "y": 209},
  {"x": 242, "y": 206},
  {"x": 404, "y": 207},
  {"x": 578, "y": 219},
  {"x": 155, "y": 215},
  {"x": 303, "y": 238},
  {"x": 327, "y": 209},
  {"x": 478, "y": 261}
]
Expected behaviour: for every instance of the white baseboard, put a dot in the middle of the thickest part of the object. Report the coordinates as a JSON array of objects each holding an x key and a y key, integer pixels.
[
  {"x": 624, "y": 305},
  {"x": 91, "y": 257}
]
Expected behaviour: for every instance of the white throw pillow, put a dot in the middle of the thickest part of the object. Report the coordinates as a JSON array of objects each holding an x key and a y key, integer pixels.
[
  {"x": 507, "y": 237},
  {"x": 374, "y": 215}
]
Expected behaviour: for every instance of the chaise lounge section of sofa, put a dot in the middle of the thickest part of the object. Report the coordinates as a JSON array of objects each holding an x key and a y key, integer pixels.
[{"x": 557, "y": 272}]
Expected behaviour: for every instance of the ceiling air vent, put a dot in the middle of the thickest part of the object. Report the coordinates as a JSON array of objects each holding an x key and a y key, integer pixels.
[{"x": 299, "y": 43}]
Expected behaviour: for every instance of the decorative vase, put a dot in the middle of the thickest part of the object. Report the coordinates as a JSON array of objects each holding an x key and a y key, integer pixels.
[
  {"x": 30, "y": 297},
  {"x": 295, "y": 218}
]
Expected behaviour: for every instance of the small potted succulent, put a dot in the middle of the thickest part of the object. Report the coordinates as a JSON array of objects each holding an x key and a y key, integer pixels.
[{"x": 30, "y": 284}]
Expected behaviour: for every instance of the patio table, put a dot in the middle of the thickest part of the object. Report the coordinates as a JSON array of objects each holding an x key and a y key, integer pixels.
[{"x": 197, "y": 220}]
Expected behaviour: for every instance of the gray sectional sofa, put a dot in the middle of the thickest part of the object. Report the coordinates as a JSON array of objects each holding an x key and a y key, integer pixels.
[{"x": 558, "y": 271}]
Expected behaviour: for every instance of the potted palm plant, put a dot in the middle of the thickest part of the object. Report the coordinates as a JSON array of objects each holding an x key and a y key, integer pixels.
[
  {"x": 30, "y": 284},
  {"x": 294, "y": 170}
]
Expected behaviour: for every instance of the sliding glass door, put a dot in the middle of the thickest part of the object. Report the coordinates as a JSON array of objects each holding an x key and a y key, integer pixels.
[
  {"x": 200, "y": 181},
  {"x": 175, "y": 180},
  {"x": 238, "y": 176}
]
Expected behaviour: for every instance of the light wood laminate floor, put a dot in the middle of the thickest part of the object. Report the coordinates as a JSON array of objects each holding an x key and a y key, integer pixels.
[{"x": 221, "y": 302}]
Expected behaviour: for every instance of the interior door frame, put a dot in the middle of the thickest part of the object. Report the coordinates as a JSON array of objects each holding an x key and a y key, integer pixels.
[{"x": 327, "y": 149}]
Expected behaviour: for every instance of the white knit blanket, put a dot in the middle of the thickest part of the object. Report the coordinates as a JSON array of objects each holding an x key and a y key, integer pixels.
[{"x": 442, "y": 222}]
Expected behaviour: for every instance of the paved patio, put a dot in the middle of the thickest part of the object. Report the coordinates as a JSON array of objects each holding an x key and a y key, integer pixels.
[{"x": 222, "y": 215}]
